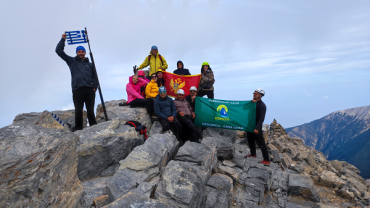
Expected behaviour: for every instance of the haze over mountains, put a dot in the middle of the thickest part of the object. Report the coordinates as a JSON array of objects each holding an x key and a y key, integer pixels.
[{"x": 342, "y": 135}]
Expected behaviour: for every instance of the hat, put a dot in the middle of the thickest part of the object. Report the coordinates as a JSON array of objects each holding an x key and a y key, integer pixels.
[
  {"x": 193, "y": 88},
  {"x": 162, "y": 89},
  {"x": 159, "y": 70},
  {"x": 154, "y": 47},
  {"x": 80, "y": 48},
  {"x": 180, "y": 92},
  {"x": 205, "y": 63},
  {"x": 141, "y": 73}
]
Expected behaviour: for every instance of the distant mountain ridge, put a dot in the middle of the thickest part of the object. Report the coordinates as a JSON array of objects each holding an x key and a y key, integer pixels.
[{"x": 342, "y": 135}]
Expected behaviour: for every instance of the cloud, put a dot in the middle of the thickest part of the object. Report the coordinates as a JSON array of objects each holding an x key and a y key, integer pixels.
[
  {"x": 308, "y": 93},
  {"x": 68, "y": 107},
  {"x": 325, "y": 96}
]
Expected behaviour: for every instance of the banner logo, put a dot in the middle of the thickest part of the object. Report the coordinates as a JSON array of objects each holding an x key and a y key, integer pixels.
[
  {"x": 176, "y": 85},
  {"x": 222, "y": 111}
]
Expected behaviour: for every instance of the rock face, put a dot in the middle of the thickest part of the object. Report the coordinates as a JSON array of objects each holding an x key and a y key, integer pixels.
[
  {"x": 342, "y": 135},
  {"x": 42, "y": 163},
  {"x": 123, "y": 113},
  {"x": 102, "y": 146},
  {"x": 38, "y": 167}
]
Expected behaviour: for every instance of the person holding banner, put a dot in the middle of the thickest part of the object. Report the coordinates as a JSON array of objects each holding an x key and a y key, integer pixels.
[
  {"x": 155, "y": 60},
  {"x": 257, "y": 135},
  {"x": 84, "y": 82},
  {"x": 160, "y": 80},
  {"x": 180, "y": 69},
  {"x": 185, "y": 115},
  {"x": 165, "y": 109},
  {"x": 206, "y": 81},
  {"x": 191, "y": 97}
]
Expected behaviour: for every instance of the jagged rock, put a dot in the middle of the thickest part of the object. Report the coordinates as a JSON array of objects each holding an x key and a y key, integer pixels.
[
  {"x": 123, "y": 113},
  {"x": 224, "y": 146},
  {"x": 240, "y": 134},
  {"x": 45, "y": 119},
  {"x": 280, "y": 146},
  {"x": 216, "y": 132},
  {"x": 220, "y": 182},
  {"x": 217, "y": 195},
  {"x": 131, "y": 200},
  {"x": 360, "y": 186},
  {"x": 296, "y": 168},
  {"x": 302, "y": 186},
  {"x": 352, "y": 174},
  {"x": 306, "y": 167},
  {"x": 337, "y": 165},
  {"x": 228, "y": 163},
  {"x": 329, "y": 179},
  {"x": 145, "y": 189},
  {"x": 184, "y": 178},
  {"x": 217, "y": 199},
  {"x": 274, "y": 153},
  {"x": 292, "y": 151},
  {"x": 38, "y": 167},
  {"x": 286, "y": 161},
  {"x": 143, "y": 164},
  {"x": 101, "y": 201},
  {"x": 103, "y": 146},
  {"x": 345, "y": 193},
  {"x": 155, "y": 129},
  {"x": 229, "y": 172},
  {"x": 254, "y": 191},
  {"x": 94, "y": 189},
  {"x": 280, "y": 181}
]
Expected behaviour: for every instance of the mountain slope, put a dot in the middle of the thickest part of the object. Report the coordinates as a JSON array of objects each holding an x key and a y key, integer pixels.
[{"x": 342, "y": 135}]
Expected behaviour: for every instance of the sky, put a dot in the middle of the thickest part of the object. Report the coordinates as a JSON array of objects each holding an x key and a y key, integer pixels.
[{"x": 312, "y": 57}]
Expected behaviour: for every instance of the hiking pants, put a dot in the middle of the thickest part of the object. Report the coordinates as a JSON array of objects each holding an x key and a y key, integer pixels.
[
  {"x": 147, "y": 103},
  {"x": 257, "y": 138},
  {"x": 210, "y": 94},
  {"x": 175, "y": 125},
  {"x": 187, "y": 121},
  {"x": 80, "y": 96}
]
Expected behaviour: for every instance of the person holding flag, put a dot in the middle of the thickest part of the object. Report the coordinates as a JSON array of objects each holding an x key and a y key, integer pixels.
[
  {"x": 155, "y": 60},
  {"x": 257, "y": 135},
  {"x": 206, "y": 81},
  {"x": 160, "y": 80},
  {"x": 84, "y": 82},
  {"x": 185, "y": 115}
]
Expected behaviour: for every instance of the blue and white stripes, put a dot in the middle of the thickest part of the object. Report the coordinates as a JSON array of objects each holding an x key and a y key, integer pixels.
[
  {"x": 57, "y": 119},
  {"x": 76, "y": 37}
]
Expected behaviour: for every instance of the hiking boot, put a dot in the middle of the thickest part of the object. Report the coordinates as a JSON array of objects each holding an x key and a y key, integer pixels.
[
  {"x": 264, "y": 162},
  {"x": 122, "y": 104},
  {"x": 251, "y": 156}
]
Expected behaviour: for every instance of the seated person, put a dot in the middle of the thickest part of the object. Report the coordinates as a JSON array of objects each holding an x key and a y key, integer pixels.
[
  {"x": 191, "y": 97},
  {"x": 134, "y": 99},
  {"x": 141, "y": 74},
  {"x": 165, "y": 109},
  {"x": 151, "y": 90},
  {"x": 180, "y": 69},
  {"x": 185, "y": 114},
  {"x": 160, "y": 78}
]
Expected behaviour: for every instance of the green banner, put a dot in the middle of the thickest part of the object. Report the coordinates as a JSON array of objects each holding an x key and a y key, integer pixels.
[{"x": 225, "y": 114}]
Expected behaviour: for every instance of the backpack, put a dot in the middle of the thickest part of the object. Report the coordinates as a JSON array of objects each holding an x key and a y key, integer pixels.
[
  {"x": 138, "y": 127},
  {"x": 160, "y": 58}
]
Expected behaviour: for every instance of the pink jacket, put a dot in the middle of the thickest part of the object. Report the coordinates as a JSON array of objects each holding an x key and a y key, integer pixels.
[{"x": 133, "y": 90}]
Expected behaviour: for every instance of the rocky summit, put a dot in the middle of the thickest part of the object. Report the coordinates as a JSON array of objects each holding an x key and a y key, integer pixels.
[{"x": 44, "y": 164}]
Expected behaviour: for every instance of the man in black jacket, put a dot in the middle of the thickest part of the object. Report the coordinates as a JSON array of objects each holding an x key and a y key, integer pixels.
[
  {"x": 84, "y": 82},
  {"x": 257, "y": 135},
  {"x": 180, "y": 69},
  {"x": 191, "y": 97}
]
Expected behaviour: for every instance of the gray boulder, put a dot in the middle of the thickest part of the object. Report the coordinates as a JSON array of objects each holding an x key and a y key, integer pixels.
[
  {"x": 131, "y": 200},
  {"x": 38, "y": 167},
  {"x": 94, "y": 189},
  {"x": 329, "y": 179},
  {"x": 302, "y": 186},
  {"x": 216, "y": 132},
  {"x": 224, "y": 146},
  {"x": 123, "y": 113},
  {"x": 102, "y": 146},
  {"x": 155, "y": 129},
  {"x": 143, "y": 164}
]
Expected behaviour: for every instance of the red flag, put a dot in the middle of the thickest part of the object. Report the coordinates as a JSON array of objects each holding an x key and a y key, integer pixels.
[{"x": 173, "y": 82}]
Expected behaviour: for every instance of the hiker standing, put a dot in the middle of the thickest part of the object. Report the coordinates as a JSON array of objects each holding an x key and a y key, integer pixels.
[
  {"x": 165, "y": 109},
  {"x": 84, "y": 82},
  {"x": 155, "y": 60},
  {"x": 180, "y": 69},
  {"x": 257, "y": 135},
  {"x": 206, "y": 81}
]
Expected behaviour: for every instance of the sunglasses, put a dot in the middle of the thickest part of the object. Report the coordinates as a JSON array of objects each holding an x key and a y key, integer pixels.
[{"x": 154, "y": 76}]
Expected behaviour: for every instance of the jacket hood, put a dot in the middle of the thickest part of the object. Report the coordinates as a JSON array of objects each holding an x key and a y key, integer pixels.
[
  {"x": 181, "y": 63},
  {"x": 132, "y": 82}
]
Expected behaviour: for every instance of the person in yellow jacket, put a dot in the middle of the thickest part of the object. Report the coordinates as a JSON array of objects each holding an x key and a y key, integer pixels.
[
  {"x": 155, "y": 60},
  {"x": 152, "y": 88}
]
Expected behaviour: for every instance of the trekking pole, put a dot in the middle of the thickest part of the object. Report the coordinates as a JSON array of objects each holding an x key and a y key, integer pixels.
[{"x": 97, "y": 79}]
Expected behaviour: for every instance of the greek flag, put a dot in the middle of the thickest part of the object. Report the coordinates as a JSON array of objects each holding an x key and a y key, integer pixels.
[{"x": 76, "y": 37}]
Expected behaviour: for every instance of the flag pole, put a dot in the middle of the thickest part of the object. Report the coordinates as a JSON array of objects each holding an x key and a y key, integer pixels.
[{"x": 97, "y": 79}]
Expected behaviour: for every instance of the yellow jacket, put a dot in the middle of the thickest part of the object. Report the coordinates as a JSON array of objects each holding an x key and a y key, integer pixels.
[
  {"x": 151, "y": 90},
  {"x": 155, "y": 63}
]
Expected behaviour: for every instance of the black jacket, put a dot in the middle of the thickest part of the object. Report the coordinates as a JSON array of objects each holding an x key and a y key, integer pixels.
[
  {"x": 181, "y": 71},
  {"x": 82, "y": 73},
  {"x": 164, "y": 107},
  {"x": 260, "y": 114},
  {"x": 192, "y": 104}
]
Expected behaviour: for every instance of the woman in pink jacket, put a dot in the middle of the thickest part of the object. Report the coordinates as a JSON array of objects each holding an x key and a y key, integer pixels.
[{"x": 134, "y": 99}]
